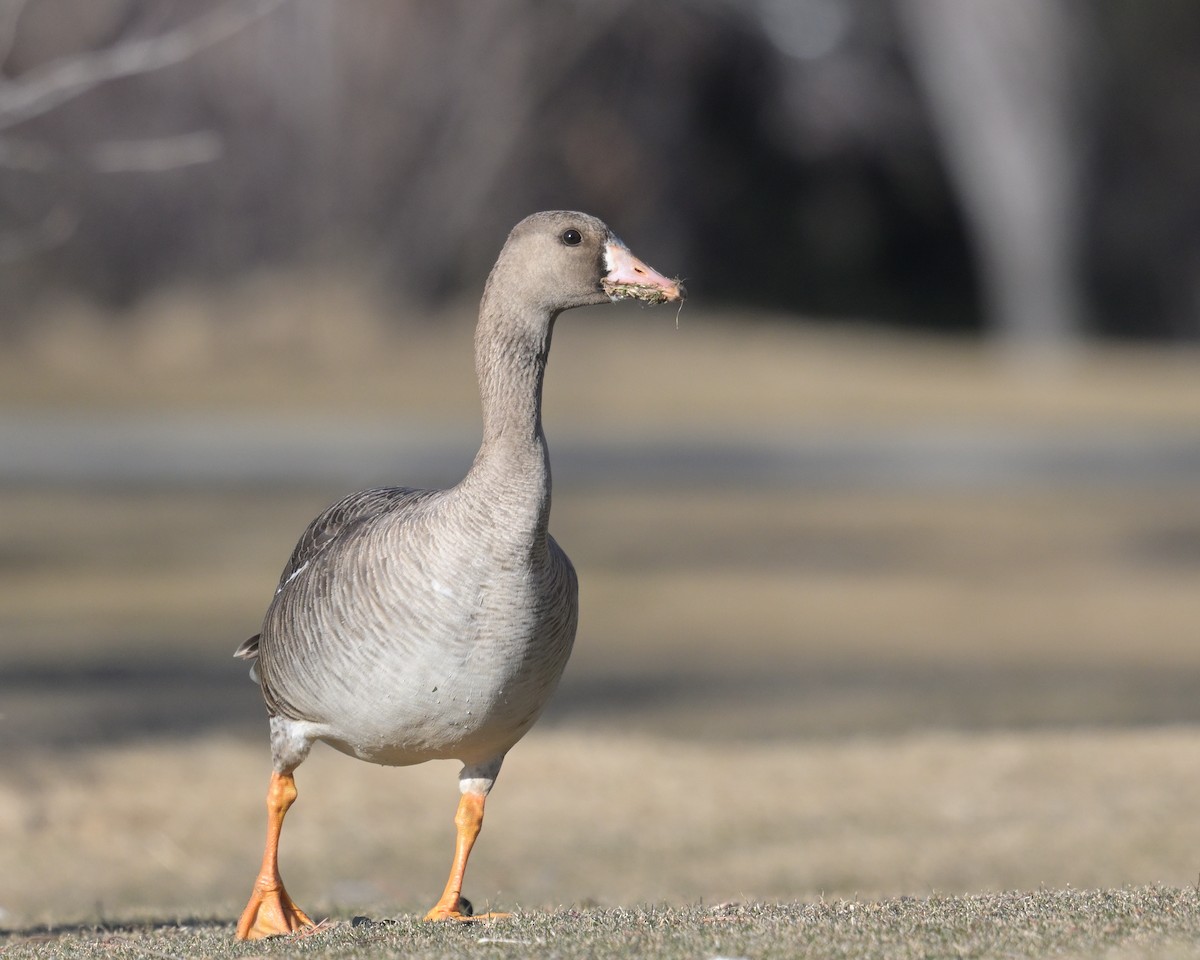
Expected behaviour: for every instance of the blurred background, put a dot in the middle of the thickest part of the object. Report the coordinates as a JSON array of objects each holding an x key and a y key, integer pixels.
[
  {"x": 1023, "y": 169},
  {"x": 921, "y": 456}
]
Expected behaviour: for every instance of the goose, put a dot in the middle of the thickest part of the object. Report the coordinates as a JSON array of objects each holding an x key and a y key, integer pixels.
[{"x": 413, "y": 625}]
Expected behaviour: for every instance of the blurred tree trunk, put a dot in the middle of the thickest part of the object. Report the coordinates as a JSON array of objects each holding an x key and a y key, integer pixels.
[
  {"x": 1003, "y": 79},
  {"x": 298, "y": 63}
]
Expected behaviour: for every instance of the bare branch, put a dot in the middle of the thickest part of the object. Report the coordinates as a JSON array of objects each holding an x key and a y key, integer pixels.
[
  {"x": 10, "y": 14},
  {"x": 28, "y": 155},
  {"x": 54, "y": 83},
  {"x": 157, "y": 154},
  {"x": 148, "y": 155},
  {"x": 54, "y": 230}
]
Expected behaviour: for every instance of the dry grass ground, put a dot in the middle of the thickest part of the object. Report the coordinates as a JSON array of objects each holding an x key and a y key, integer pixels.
[
  {"x": 1117, "y": 925},
  {"x": 173, "y": 829},
  {"x": 777, "y": 694}
]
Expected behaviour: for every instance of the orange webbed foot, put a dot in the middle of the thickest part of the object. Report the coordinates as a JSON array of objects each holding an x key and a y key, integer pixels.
[
  {"x": 271, "y": 913},
  {"x": 462, "y": 912}
]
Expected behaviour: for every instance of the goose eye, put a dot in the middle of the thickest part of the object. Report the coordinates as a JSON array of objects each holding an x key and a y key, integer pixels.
[{"x": 572, "y": 237}]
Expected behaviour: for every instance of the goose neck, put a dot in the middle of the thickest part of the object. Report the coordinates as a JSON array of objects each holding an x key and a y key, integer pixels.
[{"x": 513, "y": 465}]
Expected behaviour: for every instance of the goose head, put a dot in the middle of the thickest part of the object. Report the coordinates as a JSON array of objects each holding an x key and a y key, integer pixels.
[{"x": 560, "y": 259}]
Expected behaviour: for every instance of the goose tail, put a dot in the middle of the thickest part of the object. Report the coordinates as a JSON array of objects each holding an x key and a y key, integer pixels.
[{"x": 248, "y": 650}]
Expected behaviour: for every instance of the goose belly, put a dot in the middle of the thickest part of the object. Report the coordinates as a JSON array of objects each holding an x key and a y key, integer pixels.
[
  {"x": 468, "y": 710},
  {"x": 407, "y": 652},
  {"x": 455, "y": 682}
]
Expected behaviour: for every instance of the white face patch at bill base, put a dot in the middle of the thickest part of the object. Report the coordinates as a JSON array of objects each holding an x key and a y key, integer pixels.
[{"x": 609, "y": 266}]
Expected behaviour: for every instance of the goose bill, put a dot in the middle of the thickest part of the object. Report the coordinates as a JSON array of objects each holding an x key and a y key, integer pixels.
[{"x": 630, "y": 279}]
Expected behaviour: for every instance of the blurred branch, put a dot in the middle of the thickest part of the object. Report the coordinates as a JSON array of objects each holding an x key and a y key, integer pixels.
[
  {"x": 55, "y": 229},
  {"x": 10, "y": 14},
  {"x": 52, "y": 84},
  {"x": 156, "y": 155},
  {"x": 27, "y": 155},
  {"x": 478, "y": 136},
  {"x": 151, "y": 155},
  {"x": 45, "y": 87}
]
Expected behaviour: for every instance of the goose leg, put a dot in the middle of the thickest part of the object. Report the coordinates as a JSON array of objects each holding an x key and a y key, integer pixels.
[
  {"x": 271, "y": 911},
  {"x": 467, "y": 822}
]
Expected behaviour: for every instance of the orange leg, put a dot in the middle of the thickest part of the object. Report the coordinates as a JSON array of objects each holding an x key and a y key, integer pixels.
[
  {"x": 270, "y": 911},
  {"x": 467, "y": 821}
]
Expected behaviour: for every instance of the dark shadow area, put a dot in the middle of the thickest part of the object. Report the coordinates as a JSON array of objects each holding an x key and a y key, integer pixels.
[
  {"x": 61, "y": 707},
  {"x": 52, "y": 707},
  {"x": 848, "y": 700}
]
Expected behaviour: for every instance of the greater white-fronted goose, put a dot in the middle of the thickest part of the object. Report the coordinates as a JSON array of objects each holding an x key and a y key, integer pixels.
[{"x": 413, "y": 625}]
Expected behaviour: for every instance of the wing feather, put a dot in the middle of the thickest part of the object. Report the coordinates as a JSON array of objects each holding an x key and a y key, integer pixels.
[
  {"x": 338, "y": 521},
  {"x": 340, "y": 517}
]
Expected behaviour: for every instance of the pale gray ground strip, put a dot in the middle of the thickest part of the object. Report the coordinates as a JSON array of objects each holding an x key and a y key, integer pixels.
[{"x": 207, "y": 451}]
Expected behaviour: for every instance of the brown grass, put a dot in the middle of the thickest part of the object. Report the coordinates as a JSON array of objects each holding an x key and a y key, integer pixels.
[{"x": 322, "y": 343}]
